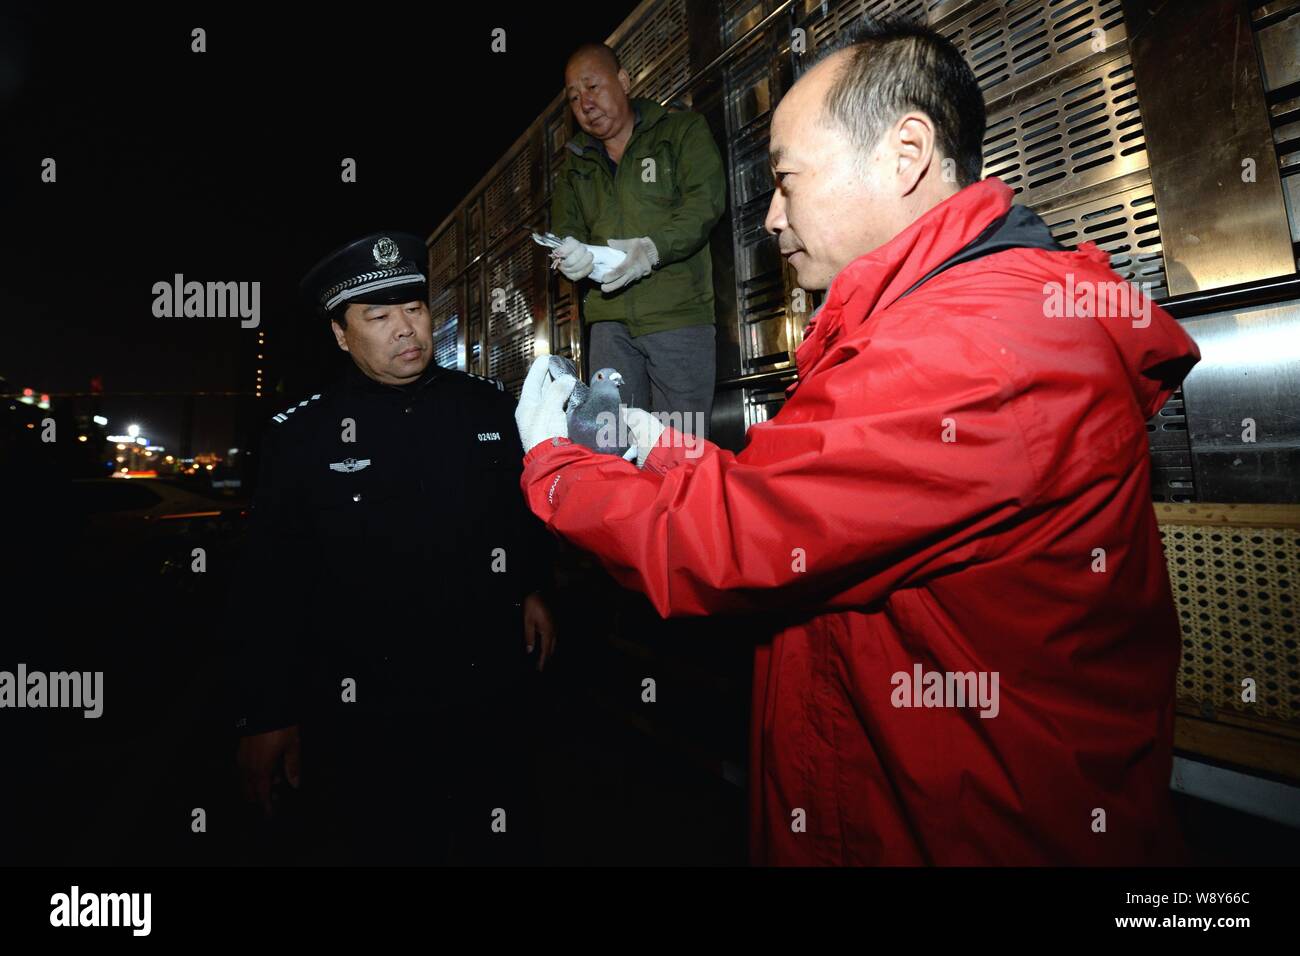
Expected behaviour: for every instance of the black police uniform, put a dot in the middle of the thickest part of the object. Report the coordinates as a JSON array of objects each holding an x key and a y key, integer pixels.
[{"x": 391, "y": 547}]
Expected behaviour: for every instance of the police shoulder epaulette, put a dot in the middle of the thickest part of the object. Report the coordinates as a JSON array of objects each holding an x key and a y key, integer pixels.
[
  {"x": 484, "y": 378},
  {"x": 284, "y": 415}
]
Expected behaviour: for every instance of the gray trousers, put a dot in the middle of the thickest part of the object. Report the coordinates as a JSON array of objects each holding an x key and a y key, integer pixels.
[{"x": 668, "y": 372}]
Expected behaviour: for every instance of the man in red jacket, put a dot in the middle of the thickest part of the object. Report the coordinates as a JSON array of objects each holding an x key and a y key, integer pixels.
[{"x": 949, "y": 520}]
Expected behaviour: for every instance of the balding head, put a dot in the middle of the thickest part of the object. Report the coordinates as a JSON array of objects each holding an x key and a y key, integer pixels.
[
  {"x": 875, "y": 135},
  {"x": 600, "y": 54},
  {"x": 885, "y": 69}
]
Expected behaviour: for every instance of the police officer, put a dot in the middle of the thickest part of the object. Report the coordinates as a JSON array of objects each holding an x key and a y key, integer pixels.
[{"x": 390, "y": 606}]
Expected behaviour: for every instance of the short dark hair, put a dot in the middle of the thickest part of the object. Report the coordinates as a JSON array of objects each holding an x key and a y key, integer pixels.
[
  {"x": 895, "y": 65},
  {"x": 338, "y": 314},
  {"x": 603, "y": 50}
]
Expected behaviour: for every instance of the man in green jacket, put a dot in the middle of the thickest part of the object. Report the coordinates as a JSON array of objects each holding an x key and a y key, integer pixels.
[{"x": 649, "y": 183}]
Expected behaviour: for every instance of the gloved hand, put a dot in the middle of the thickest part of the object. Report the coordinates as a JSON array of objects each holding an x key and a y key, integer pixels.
[
  {"x": 642, "y": 257},
  {"x": 645, "y": 430},
  {"x": 540, "y": 412},
  {"x": 575, "y": 259}
]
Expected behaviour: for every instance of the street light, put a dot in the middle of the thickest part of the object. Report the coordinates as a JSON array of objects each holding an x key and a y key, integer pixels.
[{"x": 133, "y": 430}]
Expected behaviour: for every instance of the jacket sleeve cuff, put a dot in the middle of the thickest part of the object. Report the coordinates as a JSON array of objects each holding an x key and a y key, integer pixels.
[{"x": 543, "y": 446}]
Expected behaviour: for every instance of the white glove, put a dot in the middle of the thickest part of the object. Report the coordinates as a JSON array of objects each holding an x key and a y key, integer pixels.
[
  {"x": 642, "y": 257},
  {"x": 645, "y": 430},
  {"x": 574, "y": 258},
  {"x": 540, "y": 412}
]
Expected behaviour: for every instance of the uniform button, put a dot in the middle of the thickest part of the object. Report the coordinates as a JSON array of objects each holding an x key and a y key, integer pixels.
[
  {"x": 356, "y": 497},
  {"x": 408, "y": 408}
]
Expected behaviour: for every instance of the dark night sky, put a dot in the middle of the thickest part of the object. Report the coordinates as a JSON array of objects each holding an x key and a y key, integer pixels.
[{"x": 224, "y": 166}]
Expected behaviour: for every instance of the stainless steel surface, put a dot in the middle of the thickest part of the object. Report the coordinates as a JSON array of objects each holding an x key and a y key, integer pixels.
[
  {"x": 1124, "y": 224},
  {"x": 1080, "y": 129},
  {"x": 1014, "y": 45},
  {"x": 445, "y": 259},
  {"x": 445, "y": 307},
  {"x": 1279, "y": 46},
  {"x": 472, "y": 340},
  {"x": 1203, "y": 103},
  {"x": 515, "y": 291},
  {"x": 839, "y": 15},
  {"x": 474, "y": 241},
  {"x": 1172, "y": 474},
  {"x": 1291, "y": 193},
  {"x": 1273, "y": 8},
  {"x": 516, "y": 192},
  {"x": 655, "y": 50},
  {"x": 714, "y": 63},
  {"x": 768, "y": 326},
  {"x": 1249, "y": 374}
]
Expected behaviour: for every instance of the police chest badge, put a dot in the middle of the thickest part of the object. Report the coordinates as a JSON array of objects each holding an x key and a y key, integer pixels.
[{"x": 350, "y": 465}]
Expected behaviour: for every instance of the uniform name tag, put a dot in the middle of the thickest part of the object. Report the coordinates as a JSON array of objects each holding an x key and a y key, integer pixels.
[{"x": 350, "y": 464}]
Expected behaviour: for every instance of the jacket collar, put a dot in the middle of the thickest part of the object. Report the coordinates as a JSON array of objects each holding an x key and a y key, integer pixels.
[
  {"x": 356, "y": 380},
  {"x": 876, "y": 280},
  {"x": 647, "y": 114}
]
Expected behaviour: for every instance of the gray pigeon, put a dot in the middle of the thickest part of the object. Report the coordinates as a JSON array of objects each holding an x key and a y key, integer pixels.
[{"x": 592, "y": 411}]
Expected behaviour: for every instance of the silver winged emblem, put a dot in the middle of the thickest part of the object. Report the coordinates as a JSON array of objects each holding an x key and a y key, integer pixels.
[{"x": 350, "y": 464}]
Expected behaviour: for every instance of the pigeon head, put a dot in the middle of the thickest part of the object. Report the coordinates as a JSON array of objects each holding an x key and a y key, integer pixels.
[{"x": 613, "y": 376}]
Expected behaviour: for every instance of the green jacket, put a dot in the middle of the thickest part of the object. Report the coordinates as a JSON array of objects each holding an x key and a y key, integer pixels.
[{"x": 675, "y": 201}]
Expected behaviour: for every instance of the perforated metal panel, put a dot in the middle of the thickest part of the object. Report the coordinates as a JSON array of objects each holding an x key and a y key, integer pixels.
[
  {"x": 741, "y": 16},
  {"x": 445, "y": 297},
  {"x": 1235, "y": 593},
  {"x": 1277, "y": 38},
  {"x": 515, "y": 192},
  {"x": 445, "y": 260},
  {"x": 768, "y": 329},
  {"x": 763, "y": 402},
  {"x": 474, "y": 229},
  {"x": 474, "y": 322},
  {"x": 445, "y": 306},
  {"x": 509, "y": 359},
  {"x": 656, "y": 52},
  {"x": 1069, "y": 137},
  {"x": 511, "y": 293},
  {"x": 840, "y": 15},
  {"x": 515, "y": 297},
  {"x": 1011, "y": 45},
  {"x": 1125, "y": 225},
  {"x": 1172, "y": 477},
  {"x": 559, "y": 129}
]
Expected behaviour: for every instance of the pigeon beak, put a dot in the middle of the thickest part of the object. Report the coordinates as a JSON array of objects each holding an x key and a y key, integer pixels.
[{"x": 617, "y": 379}]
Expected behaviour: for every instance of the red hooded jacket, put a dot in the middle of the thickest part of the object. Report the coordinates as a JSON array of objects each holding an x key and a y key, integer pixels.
[{"x": 949, "y": 526}]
